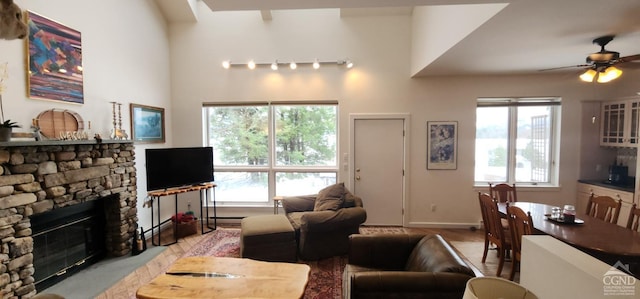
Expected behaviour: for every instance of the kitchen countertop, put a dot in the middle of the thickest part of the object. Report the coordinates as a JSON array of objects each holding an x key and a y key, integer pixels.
[{"x": 603, "y": 183}]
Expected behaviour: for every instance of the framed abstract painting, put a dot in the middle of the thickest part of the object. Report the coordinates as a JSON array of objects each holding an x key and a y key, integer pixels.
[
  {"x": 147, "y": 124},
  {"x": 54, "y": 66},
  {"x": 442, "y": 144}
]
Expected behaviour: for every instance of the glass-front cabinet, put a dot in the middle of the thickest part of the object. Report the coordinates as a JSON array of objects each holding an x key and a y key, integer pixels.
[{"x": 620, "y": 122}]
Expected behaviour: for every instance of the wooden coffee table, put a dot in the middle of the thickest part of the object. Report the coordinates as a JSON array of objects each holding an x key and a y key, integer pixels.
[{"x": 223, "y": 277}]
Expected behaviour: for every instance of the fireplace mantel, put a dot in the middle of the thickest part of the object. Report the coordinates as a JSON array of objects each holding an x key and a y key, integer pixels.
[{"x": 60, "y": 142}]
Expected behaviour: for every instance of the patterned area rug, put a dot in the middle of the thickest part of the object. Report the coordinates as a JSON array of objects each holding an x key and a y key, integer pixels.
[{"x": 325, "y": 278}]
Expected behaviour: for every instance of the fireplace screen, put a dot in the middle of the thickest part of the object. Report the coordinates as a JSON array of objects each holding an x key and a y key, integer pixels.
[{"x": 67, "y": 240}]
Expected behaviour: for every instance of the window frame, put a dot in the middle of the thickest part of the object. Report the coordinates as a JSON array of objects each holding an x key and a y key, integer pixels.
[
  {"x": 272, "y": 167},
  {"x": 554, "y": 139}
]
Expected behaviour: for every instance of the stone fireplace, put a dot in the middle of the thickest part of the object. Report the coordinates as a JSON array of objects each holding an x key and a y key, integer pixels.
[{"x": 41, "y": 176}]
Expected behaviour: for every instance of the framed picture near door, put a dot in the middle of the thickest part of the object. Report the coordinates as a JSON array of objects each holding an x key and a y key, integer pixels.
[{"x": 442, "y": 144}]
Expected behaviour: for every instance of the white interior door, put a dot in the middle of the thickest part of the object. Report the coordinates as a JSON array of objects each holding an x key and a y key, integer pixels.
[{"x": 378, "y": 168}]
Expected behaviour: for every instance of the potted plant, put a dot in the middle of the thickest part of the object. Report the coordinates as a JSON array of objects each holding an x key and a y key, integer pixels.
[{"x": 6, "y": 126}]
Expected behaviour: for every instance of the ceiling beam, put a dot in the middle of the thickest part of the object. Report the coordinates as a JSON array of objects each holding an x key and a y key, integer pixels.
[
  {"x": 231, "y": 5},
  {"x": 266, "y": 15}
]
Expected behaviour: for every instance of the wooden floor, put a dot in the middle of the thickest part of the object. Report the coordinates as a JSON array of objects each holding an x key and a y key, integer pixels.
[{"x": 126, "y": 288}]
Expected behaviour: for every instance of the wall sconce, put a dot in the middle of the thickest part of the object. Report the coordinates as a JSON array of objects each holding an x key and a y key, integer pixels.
[{"x": 316, "y": 64}]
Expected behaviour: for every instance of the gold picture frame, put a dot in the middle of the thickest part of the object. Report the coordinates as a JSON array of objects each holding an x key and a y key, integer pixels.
[{"x": 147, "y": 124}]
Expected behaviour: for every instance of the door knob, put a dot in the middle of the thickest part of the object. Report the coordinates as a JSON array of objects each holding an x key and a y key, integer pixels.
[
  {"x": 357, "y": 169},
  {"x": 357, "y": 177}
]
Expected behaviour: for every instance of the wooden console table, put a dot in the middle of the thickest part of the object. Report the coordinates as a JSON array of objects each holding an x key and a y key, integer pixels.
[{"x": 204, "y": 209}]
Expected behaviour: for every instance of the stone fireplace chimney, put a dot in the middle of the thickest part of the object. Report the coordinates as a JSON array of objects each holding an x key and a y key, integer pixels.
[{"x": 40, "y": 176}]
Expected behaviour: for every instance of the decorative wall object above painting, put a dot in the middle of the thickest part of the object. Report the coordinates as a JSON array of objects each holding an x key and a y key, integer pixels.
[
  {"x": 54, "y": 65},
  {"x": 442, "y": 144}
]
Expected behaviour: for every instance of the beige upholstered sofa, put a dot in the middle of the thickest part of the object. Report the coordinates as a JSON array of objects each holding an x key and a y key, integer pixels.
[{"x": 323, "y": 222}]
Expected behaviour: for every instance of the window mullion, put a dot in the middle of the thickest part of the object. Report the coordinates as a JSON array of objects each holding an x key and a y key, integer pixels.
[
  {"x": 512, "y": 143},
  {"x": 272, "y": 156}
]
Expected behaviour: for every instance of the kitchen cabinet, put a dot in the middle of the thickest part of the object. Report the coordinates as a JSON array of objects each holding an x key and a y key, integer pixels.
[
  {"x": 585, "y": 191},
  {"x": 619, "y": 126}
]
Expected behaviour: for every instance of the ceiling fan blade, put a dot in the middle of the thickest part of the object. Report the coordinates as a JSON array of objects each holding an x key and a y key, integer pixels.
[
  {"x": 565, "y": 67},
  {"x": 628, "y": 58},
  {"x": 629, "y": 65}
]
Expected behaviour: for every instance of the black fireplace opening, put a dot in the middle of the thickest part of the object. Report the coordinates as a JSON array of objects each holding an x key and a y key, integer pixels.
[{"x": 67, "y": 240}]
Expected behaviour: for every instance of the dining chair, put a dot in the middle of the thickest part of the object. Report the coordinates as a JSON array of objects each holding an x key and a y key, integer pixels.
[
  {"x": 520, "y": 224},
  {"x": 604, "y": 208},
  {"x": 494, "y": 231},
  {"x": 503, "y": 192},
  {"x": 634, "y": 218}
]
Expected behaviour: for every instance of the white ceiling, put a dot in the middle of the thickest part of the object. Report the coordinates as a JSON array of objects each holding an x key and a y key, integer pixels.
[{"x": 525, "y": 37}]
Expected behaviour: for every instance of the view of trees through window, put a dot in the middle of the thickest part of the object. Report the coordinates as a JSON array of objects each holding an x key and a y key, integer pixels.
[{"x": 265, "y": 150}]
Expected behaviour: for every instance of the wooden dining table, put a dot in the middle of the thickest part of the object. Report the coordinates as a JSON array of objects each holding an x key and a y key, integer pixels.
[{"x": 606, "y": 241}]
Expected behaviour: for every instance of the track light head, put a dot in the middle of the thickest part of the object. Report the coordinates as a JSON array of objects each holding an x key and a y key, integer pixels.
[{"x": 349, "y": 64}]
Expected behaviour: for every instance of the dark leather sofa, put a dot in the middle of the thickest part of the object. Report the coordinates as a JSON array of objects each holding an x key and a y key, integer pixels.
[{"x": 404, "y": 266}]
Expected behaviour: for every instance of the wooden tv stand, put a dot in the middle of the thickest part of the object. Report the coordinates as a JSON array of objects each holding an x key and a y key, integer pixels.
[{"x": 204, "y": 208}]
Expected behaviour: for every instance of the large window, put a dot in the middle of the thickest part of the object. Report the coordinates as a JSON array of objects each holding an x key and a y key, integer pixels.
[
  {"x": 267, "y": 149},
  {"x": 517, "y": 140}
]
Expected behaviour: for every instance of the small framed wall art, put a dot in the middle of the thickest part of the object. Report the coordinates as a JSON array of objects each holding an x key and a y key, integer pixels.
[
  {"x": 147, "y": 124},
  {"x": 442, "y": 144}
]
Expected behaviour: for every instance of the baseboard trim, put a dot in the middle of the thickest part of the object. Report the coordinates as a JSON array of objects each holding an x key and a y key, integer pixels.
[{"x": 444, "y": 225}]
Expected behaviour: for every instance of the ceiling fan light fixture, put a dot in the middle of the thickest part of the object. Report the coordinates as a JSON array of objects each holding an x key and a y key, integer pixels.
[
  {"x": 611, "y": 73},
  {"x": 588, "y": 75}
]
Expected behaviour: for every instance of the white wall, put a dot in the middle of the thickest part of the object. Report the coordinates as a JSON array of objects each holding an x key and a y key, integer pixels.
[
  {"x": 129, "y": 57},
  {"x": 429, "y": 40},
  {"x": 380, "y": 47},
  {"x": 552, "y": 269},
  {"x": 125, "y": 52}
]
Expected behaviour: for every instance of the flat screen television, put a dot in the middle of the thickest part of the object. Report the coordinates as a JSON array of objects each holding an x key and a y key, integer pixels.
[{"x": 178, "y": 167}]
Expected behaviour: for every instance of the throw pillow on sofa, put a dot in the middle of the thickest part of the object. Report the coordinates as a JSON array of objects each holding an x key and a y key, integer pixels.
[
  {"x": 350, "y": 199},
  {"x": 330, "y": 198}
]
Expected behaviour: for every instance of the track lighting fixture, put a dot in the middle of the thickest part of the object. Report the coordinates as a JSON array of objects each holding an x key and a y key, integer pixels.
[{"x": 227, "y": 64}]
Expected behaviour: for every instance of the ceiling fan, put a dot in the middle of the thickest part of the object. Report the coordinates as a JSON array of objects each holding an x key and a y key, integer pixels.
[{"x": 602, "y": 64}]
